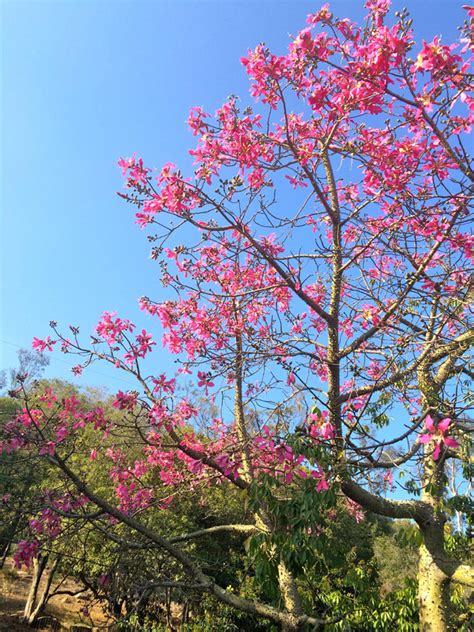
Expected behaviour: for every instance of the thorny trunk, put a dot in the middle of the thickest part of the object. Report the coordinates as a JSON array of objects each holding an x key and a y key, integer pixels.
[
  {"x": 286, "y": 582},
  {"x": 290, "y": 596},
  {"x": 433, "y": 584}
]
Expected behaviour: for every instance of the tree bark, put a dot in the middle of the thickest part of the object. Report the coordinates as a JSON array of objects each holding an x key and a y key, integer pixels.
[
  {"x": 433, "y": 583},
  {"x": 290, "y": 595},
  {"x": 39, "y": 564},
  {"x": 35, "y": 604},
  {"x": 44, "y": 594}
]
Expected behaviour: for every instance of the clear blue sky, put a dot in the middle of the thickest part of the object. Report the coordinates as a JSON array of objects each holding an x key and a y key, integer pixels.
[{"x": 83, "y": 83}]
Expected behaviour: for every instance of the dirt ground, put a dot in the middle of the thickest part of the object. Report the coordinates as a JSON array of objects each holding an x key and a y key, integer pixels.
[{"x": 69, "y": 610}]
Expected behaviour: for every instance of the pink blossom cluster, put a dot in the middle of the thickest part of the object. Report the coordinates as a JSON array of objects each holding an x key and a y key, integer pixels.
[
  {"x": 319, "y": 427},
  {"x": 111, "y": 328},
  {"x": 25, "y": 552}
]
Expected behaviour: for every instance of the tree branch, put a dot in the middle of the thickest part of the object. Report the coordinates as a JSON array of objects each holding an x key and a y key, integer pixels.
[
  {"x": 410, "y": 509},
  {"x": 464, "y": 575},
  {"x": 237, "y": 528}
]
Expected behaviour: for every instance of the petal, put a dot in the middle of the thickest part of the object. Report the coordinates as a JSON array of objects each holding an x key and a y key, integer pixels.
[
  {"x": 425, "y": 438},
  {"x": 437, "y": 451},
  {"x": 450, "y": 442},
  {"x": 429, "y": 423},
  {"x": 444, "y": 424}
]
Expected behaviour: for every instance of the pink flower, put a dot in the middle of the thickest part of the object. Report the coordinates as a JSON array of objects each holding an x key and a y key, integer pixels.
[
  {"x": 435, "y": 57},
  {"x": 319, "y": 427},
  {"x": 27, "y": 417},
  {"x": 137, "y": 173},
  {"x": 48, "y": 397},
  {"x": 111, "y": 329},
  {"x": 145, "y": 343},
  {"x": 380, "y": 7},
  {"x": 161, "y": 383},
  {"x": 125, "y": 164},
  {"x": 125, "y": 401},
  {"x": 104, "y": 579},
  {"x": 323, "y": 15},
  {"x": 49, "y": 448},
  {"x": 204, "y": 380},
  {"x": 437, "y": 434},
  {"x": 42, "y": 345},
  {"x": 355, "y": 510},
  {"x": 322, "y": 485},
  {"x": 369, "y": 316},
  {"x": 327, "y": 430}
]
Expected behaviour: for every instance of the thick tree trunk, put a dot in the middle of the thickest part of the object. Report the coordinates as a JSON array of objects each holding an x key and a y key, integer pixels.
[
  {"x": 290, "y": 596},
  {"x": 286, "y": 582},
  {"x": 433, "y": 583}
]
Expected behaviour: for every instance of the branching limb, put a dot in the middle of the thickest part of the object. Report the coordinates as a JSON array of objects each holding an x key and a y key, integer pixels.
[
  {"x": 464, "y": 575},
  {"x": 410, "y": 509}
]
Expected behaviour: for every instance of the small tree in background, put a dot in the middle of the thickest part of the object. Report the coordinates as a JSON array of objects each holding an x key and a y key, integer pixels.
[
  {"x": 31, "y": 365},
  {"x": 320, "y": 258}
]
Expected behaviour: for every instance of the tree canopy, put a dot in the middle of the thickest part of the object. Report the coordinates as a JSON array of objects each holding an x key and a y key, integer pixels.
[{"x": 316, "y": 270}]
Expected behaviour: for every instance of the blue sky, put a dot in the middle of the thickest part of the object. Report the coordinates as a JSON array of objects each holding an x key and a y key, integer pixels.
[{"x": 83, "y": 83}]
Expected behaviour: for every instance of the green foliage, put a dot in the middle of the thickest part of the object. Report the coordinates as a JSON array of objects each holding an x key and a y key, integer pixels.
[
  {"x": 395, "y": 549},
  {"x": 18, "y": 477},
  {"x": 360, "y": 572}
]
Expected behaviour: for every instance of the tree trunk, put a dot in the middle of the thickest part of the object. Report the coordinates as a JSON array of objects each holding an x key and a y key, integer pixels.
[
  {"x": 290, "y": 595},
  {"x": 44, "y": 595},
  {"x": 433, "y": 582},
  {"x": 39, "y": 564},
  {"x": 433, "y": 594},
  {"x": 37, "y": 599}
]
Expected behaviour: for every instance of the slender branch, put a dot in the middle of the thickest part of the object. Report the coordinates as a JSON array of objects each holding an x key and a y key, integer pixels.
[
  {"x": 237, "y": 528},
  {"x": 390, "y": 462}
]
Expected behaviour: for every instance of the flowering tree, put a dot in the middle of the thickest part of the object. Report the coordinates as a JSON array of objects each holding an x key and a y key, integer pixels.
[{"x": 321, "y": 269}]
